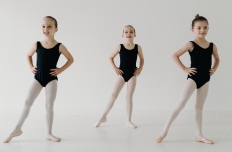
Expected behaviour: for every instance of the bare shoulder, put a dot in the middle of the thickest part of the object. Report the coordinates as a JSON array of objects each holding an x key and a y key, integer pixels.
[
  {"x": 32, "y": 49},
  {"x": 34, "y": 45},
  {"x": 139, "y": 48},
  {"x": 62, "y": 46},
  {"x": 214, "y": 47},
  {"x": 189, "y": 45},
  {"x": 118, "y": 48}
]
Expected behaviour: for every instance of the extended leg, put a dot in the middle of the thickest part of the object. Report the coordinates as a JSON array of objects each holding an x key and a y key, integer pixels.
[
  {"x": 34, "y": 91},
  {"x": 189, "y": 88},
  {"x": 117, "y": 88}
]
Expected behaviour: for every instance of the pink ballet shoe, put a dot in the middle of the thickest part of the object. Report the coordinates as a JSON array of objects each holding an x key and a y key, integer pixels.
[
  {"x": 206, "y": 141},
  {"x": 159, "y": 138},
  {"x": 12, "y": 136},
  {"x": 131, "y": 125},
  {"x": 97, "y": 124},
  {"x": 53, "y": 138}
]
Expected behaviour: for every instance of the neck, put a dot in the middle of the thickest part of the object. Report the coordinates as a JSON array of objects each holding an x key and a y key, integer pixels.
[
  {"x": 129, "y": 42},
  {"x": 202, "y": 40},
  {"x": 49, "y": 40}
]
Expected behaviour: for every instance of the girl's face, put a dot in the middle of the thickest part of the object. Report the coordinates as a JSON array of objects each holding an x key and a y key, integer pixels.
[
  {"x": 48, "y": 27},
  {"x": 129, "y": 33},
  {"x": 200, "y": 29}
]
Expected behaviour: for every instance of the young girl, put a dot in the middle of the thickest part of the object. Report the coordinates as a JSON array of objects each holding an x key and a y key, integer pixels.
[
  {"x": 45, "y": 71},
  {"x": 126, "y": 72},
  {"x": 199, "y": 74}
]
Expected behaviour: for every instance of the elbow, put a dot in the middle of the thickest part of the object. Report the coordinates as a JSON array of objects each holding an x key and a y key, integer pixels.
[
  {"x": 110, "y": 59},
  {"x": 174, "y": 56},
  {"x": 72, "y": 60},
  {"x": 142, "y": 61}
]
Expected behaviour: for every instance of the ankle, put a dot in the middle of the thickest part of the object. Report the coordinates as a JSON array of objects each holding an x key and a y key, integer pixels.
[
  {"x": 163, "y": 133},
  {"x": 199, "y": 136},
  {"x": 102, "y": 118},
  {"x": 15, "y": 130}
]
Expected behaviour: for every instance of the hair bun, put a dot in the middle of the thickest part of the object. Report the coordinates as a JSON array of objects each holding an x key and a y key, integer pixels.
[{"x": 197, "y": 16}]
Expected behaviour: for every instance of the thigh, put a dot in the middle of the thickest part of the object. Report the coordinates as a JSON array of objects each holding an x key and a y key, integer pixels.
[
  {"x": 188, "y": 90},
  {"x": 202, "y": 93},
  {"x": 131, "y": 84},
  {"x": 34, "y": 90},
  {"x": 51, "y": 90},
  {"x": 118, "y": 85}
]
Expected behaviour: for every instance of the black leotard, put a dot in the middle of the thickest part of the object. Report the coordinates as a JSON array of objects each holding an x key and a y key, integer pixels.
[
  {"x": 128, "y": 60},
  {"x": 201, "y": 59},
  {"x": 46, "y": 60}
]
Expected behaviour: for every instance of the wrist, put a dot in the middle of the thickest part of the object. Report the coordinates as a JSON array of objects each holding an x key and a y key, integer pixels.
[
  {"x": 183, "y": 68},
  {"x": 61, "y": 69}
]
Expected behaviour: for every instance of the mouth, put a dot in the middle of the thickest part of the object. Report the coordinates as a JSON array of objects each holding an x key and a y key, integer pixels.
[
  {"x": 202, "y": 33},
  {"x": 46, "y": 33},
  {"x": 128, "y": 37}
]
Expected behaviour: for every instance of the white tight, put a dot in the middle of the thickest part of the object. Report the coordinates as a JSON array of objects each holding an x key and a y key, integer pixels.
[
  {"x": 129, "y": 97},
  {"x": 188, "y": 90},
  {"x": 50, "y": 90}
]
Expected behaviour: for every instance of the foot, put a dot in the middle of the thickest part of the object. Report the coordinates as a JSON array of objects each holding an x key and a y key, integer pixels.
[
  {"x": 159, "y": 137},
  {"x": 97, "y": 124},
  {"x": 53, "y": 138},
  {"x": 204, "y": 140},
  {"x": 12, "y": 135},
  {"x": 131, "y": 125}
]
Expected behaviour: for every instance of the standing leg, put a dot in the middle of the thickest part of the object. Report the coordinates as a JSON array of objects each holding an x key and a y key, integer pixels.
[
  {"x": 117, "y": 88},
  {"x": 33, "y": 93},
  {"x": 50, "y": 91},
  {"x": 131, "y": 84},
  {"x": 188, "y": 90},
  {"x": 200, "y": 100}
]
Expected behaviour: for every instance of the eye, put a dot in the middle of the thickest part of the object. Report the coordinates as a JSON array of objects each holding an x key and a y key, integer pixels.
[{"x": 43, "y": 26}]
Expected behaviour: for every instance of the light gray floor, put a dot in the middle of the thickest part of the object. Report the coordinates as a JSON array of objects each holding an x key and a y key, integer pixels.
[{"x": 78, "y": 134}]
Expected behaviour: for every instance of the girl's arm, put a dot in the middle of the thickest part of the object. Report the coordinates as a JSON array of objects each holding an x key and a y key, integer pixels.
[
  {"x": 29, "y": 58},
  {"x": 216, "y": 60},
  {"x": 141, "y": 63},
  {"x": 111, "y": 59},
  {"x": 68, "y": 56},
  {"x": 177, "y": 54}
]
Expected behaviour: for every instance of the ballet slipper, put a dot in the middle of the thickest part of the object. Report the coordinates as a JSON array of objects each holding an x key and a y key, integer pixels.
[
  {"x": 159, "y": 138},
  {"x": 206, "y": 141},
  {"x": 131, "y": 125},
  {"x": 97, "y": 124},
  {"x": 15, "y": 134},
  {"x": 53, "y": 138}
]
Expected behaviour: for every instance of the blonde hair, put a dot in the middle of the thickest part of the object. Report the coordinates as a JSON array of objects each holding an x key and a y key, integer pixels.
[{"x": 128, "y": 26}]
